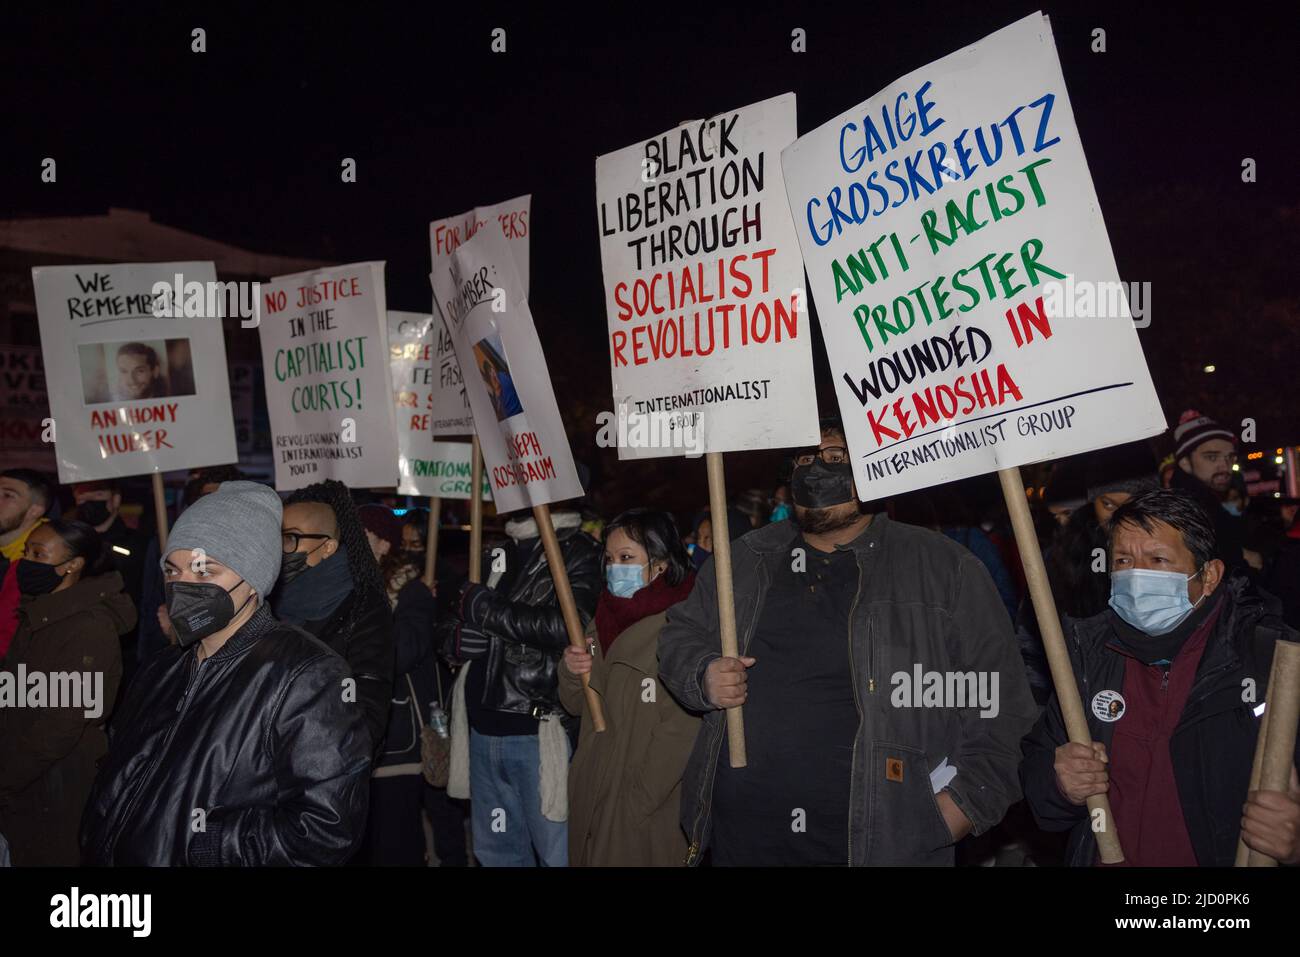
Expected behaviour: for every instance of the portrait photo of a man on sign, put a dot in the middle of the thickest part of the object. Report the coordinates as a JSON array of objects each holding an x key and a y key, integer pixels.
[
  {"x": 490, "y": 359},
  {"x": 131, "y": 371}
]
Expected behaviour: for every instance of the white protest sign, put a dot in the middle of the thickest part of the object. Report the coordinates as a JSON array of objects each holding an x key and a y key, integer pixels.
[
  {"x": 451, "y": 412},
  {"x": 940, "y": 221},
  {"x": 328, "y": 385},
  {"x": 709, "y": 332},
  {"x": 140, "y": 382},
  {"x": 525, "y": 449},
  {"x": 439, "y": 469}
]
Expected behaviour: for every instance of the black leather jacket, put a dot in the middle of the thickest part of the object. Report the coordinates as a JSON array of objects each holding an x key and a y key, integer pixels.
[
  {"x": 524, "y": 622},
  {"x": 252, "y": 757}
]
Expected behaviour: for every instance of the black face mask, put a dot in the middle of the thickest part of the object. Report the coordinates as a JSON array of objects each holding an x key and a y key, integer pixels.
[
  {"x": 36, "y": 578},
  {"x": 93, "y": 512},
  {"x": 294, "y": 564},
  {"x": 199, "y": 609},
  {"x": 822, "y": 486}
]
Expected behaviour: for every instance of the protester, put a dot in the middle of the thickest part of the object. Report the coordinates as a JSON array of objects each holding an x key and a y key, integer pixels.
[
  {"x": 238, "y": 745},
  {"x": 72, "y": 611},
  {"x": 1162, "y": 675},
  {"x": 1065, "y": 491},
  {"x": 395, "y": 832},
  {"x": 625, "y": 783},
  {"x": 701, "y": 549},
  {"x": 1284, "y": 574},
  {"x": 780, "y": 504},
  {"x": 510, "y": 751},
  {"x": 330, "y": 585},
  {"x": 1205, "y": 453},
  {"x": 25, "y": 496},
  {"x": 99, "y": 504},
  {"x": 956, "y": 520},
  {"x": 864, "y": 772},
  {"x": 155, "y": 631}
]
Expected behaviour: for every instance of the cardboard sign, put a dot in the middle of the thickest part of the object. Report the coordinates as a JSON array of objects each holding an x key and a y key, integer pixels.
[
  {"x": 141, "y": 384},
  {"x": 525, "y": 450},
  {"x": 708, "y": 322},
  {"x": 942, "y": 223},
  {"x": 328, "y": 385},
  {"x": 450, "y": 414},
  {"x": 426, "y": 467}
]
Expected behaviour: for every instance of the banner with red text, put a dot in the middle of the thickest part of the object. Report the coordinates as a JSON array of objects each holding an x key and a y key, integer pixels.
[
  {"x": 525, "y": 450},
  {"x": 325, "y": 362},
  {"x": 451, "y": 414},
  {"x": 141, "y": 384},
  {"x": 951, "y": 229},
  {"x": 708, "y": 322}
]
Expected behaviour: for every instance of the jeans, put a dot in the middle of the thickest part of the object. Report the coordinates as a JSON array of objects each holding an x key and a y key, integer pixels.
[{"x": 506, "y": 804}]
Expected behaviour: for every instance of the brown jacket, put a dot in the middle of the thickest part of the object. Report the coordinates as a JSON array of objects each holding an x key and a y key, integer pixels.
[
  {"x": 47, "y": 754},
  {"x": 625, "y": 783}
]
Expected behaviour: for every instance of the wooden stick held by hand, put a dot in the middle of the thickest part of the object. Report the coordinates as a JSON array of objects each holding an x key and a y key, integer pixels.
[
  {"x": 568, "y": 607},
  {"x": 1282, "y": 708},
  {"x": 431, "y": 540},
  {"x": 726, "y": 595},
  {"x": 160, "y": 510},
  {"x": 1049, "y": 625}
]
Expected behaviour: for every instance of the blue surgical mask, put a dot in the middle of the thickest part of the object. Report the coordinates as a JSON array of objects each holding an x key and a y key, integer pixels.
[
  {"x": 1153, "y": 602},
  {"x": 624, "y": 581},
  {"x": 1232, "y": 508},
  {"x": 781, "y": 512}
]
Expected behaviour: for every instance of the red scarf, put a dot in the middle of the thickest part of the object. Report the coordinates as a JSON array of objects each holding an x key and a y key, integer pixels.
[{"x": 615, "y": 615}]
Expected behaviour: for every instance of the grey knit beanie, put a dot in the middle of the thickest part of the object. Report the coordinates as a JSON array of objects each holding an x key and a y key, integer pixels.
[{"x": 239, "y": 526}]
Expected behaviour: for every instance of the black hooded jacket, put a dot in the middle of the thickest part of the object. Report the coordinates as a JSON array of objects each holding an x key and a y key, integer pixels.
[{"x": 252, "y": 757}]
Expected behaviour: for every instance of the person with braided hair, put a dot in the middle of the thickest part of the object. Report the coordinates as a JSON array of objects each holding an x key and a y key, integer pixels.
[{"x": 331, "y": 586}]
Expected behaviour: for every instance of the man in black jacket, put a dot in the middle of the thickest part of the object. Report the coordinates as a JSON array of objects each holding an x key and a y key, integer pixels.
[
  {"x": 1204, "y": 455},
  {"x": 330, "y": 585},
  {"x": 512, "y": 634},
  {"x": 1172, "y": 677},
  {"x": 884, "y": 694},
  {"x": 236, "y": 745}
]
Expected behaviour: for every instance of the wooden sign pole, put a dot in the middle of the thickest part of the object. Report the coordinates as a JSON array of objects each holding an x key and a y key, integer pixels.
[
  {"x": 476, "y": 512},
  {"x": 568, "y": 607},
  {"x": 1049, "y": 625},
  {"x": 1257, "y": 766},
  {"x": 431, "y": 539},
  {"x": 160, "y": 510},
  {"x": 726, "y": 600},
  {"x": 1282, "y": 706}
]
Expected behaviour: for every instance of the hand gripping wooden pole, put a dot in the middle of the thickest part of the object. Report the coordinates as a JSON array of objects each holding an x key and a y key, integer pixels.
[
  {"x": 476, "y": 512},
  {"x": 431, "y": 540},
  {"x": 160, "y": 511},
  {"x": 1282, "y": 706},
  {"x": 1049, "y": 625},
  {"x": 726, "y": 599},
  {"x": 568, "y": 607},
  {"x": 1243, "y": 852}
]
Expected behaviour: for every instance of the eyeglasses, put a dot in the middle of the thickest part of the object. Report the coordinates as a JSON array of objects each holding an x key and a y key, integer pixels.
[
  {"x": 289, "y": 540},
  {"x": 831, "y": 455}
]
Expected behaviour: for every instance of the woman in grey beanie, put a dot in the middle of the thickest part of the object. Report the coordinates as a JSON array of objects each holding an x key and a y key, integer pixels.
[{"x": 243, "y": 743}]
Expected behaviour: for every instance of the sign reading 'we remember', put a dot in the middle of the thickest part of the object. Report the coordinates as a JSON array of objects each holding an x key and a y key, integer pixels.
[{"x": 934, "y": 219}]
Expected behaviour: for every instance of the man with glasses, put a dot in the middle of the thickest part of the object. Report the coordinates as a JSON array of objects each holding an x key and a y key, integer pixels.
[
  {"x": 1206, "y": 452},
  {"x": 330, "y": 586},
  {"x": 852, "y": 757}
]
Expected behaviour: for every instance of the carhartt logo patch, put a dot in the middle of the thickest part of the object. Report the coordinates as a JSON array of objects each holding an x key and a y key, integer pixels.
[
  {"x": 1108, "y": 706},
  {"x": 894, "y": 769}
]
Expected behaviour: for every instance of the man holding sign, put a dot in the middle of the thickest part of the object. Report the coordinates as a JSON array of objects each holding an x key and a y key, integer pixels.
[{"x": 883, "y": 689}]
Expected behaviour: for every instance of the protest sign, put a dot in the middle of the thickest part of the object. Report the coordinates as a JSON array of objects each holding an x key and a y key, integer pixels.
[
  {"x": 243, "y": 383},
  {"x": 324, "y": 337},
  {"x": 943, "y": 222},
  {"x": 142, "y": 383},
  {"x": 450, "y": 414},
  {"x": 24, "y": 409},
  {"x": 708, "y": 323},
  {"x": 524, "y": 445},
  {"x": 426, "y": 467}
]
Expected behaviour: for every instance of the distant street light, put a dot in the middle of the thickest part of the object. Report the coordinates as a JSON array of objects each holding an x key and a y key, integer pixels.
[{"x": 1209, "y": 369}]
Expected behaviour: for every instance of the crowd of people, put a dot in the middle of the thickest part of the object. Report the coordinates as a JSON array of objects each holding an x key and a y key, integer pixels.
[{"x": 290, "y": 680}]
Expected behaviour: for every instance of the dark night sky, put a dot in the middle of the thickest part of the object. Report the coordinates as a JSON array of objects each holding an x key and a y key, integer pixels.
[{"x": 243, "y": 143}]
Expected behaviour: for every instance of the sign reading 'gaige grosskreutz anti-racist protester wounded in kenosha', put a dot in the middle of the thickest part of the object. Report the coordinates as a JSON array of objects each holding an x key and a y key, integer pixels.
[
  {"x": 937, "y": 220},
  {"x": 708, "y": 322},
  {"x": 138, "y": 384}
]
